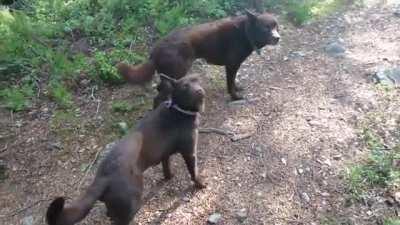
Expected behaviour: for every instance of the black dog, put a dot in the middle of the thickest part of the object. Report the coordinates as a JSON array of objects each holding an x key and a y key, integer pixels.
[
  {"x": 226, "y": 42},
  {"x": 169, "y": 129}
]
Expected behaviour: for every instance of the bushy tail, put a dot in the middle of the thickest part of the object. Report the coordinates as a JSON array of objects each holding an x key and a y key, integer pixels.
[
  {"x": 57, "y": 213},
  {"x": 139, "y": 74}
]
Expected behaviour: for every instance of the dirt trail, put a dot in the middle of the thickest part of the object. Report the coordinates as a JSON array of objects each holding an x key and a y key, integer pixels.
[{"x": 301, "y": 127}]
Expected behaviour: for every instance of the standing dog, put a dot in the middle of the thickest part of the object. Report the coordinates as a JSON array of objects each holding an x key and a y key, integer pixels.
[
  {"x": 169, "y": 129},
  {"x": 226, "y": 42}
]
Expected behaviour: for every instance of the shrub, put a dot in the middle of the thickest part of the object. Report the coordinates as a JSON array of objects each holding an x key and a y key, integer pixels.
[{"x": 17, "y": 98}]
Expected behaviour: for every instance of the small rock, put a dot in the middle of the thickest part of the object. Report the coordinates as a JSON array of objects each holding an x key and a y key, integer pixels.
[
  {"x": 186, "y": 199},
  {"x": 214, "y": 218},
  {"x": 297, "y": 54},
  {"x": 52, "y": 146},
  {"x": 335, "y": 49},
  {"x": 325, "y": 194},
  {"x": 337, "y": 157},
  {"x": 300, "y": 171},
  {"x": 27, "y": 220},
  {"x": 327, "y": 162},
  {"x": 388, "y": 76},
  {"x": 396, "y": 197},
  {"x": 242, "y": 215},
  {"x": 369, "y": 213},
  {"x": 123, "y": 127},
  {"x": 397, "y": 13},
  {"x": 237, "y": 103},
  {"x": 305, "y": 197},
  {"x": 85, "y": 82},
  {"x": 283, "y": 160}
]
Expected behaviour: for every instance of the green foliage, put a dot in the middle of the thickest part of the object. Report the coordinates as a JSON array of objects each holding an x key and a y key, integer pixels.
[
  {"x": 60, "y": 94},
  {"x": 392, "y": 222},
  {"x": 17, "y": 98},
  {"x": 122, "y": 106},
  {"x": 301, "y": 11},
  {"x": 379, "y": 170}
]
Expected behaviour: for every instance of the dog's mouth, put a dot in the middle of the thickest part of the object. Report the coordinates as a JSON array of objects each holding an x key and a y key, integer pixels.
[{"x": 275, "y": 37}]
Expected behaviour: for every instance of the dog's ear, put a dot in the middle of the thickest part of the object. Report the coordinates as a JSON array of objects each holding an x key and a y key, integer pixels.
[
  {"x": 54, "y": 211},
  {"x": 251, "y": 15}
]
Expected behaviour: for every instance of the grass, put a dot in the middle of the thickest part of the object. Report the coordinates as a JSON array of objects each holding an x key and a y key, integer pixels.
[
  {"x": 392, "y": 222},
  {"x": 300, "y": 12},
  {"x": 379, "y": 170},
  {"x": 17, "y": 98}
]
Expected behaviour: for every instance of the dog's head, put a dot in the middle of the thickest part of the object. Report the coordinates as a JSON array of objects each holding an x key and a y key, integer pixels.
[
  {"x": 262, "y": 29},
  {"x": 187, "y": 93}
]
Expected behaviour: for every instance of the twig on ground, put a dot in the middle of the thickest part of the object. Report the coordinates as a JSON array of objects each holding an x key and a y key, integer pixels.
[
  {"x": 208, "y": 130},
  {"x": 98, "y": 107},
  {"x": 89, "y": 168},
  {"x": 5, "y": 148},
  {"x": 18, "y": 211},
  {"x": 239, "y": 137},
  {"x": 275, "y": 88}
]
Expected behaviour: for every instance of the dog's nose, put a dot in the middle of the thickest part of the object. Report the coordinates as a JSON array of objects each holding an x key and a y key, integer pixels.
[
  {"x": 200, "y": 91},
  {"x": 276, "y": 35}
]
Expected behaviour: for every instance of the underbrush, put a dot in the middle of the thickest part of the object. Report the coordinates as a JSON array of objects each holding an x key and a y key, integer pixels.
[{"x": 381, "y": 169}]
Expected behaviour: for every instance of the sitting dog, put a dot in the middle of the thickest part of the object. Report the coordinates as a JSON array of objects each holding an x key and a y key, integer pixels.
[
  {"x": 226, "y": 42},
  {"x": 169, "y": 129}
]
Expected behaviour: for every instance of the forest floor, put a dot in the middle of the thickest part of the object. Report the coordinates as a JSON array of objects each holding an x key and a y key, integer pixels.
[{"x": 298, "y": 131}]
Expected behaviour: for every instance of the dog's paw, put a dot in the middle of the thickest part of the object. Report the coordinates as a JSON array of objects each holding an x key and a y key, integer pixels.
[
  {"x": 168, "y": 176},
  {"x": 236, "y": 97},
  {"x": 199, "y": 184},
  {"x": 239, "y": 88}
]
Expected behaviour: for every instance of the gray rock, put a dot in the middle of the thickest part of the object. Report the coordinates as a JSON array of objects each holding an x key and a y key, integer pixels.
[
  {"x": 335, "y": 49},
  {"x": 242, "y": 215},
  {"x": 396, "y": 197},
  {"x": 53, "y": 146},
  {"x": 305, "y": 197},
  {"x": 123, "y": 127},
  {"x": 388, "y": 76},
  {"x": 27, "y": 220},
  {"x": 238, "y": 102},
  {"x": 296, "y": 54},
  {"x": 397, "y": 13},
  {"x": 214, "y": 218}
]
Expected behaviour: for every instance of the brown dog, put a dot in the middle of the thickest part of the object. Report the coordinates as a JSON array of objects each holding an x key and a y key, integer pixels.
[
  {"x": 169, "y": 129},
  {"x": 226, "y": 42}
]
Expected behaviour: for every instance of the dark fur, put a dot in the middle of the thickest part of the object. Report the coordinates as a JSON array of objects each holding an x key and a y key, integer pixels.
[
  {"x": 227, "y": 42},
  {"x": 119, "y": 179}
]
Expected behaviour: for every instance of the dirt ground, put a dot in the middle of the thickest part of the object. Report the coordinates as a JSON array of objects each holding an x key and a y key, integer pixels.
[{"x": 298, "y": 131}]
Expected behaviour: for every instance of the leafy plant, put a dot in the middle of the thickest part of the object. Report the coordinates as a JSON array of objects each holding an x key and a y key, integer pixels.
[
  {"x": 17, "y": 98},
  {"x": 60, "y": 94},
  {"x": 392, "y": 222},
  {"x": 122, "y": 106},
  {"x": 379, "y": 170}
]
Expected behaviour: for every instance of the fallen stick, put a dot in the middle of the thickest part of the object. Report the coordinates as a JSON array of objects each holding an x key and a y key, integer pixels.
[
  {"x": 239, "y": 137},
  {"x": 208, "y": 130}
]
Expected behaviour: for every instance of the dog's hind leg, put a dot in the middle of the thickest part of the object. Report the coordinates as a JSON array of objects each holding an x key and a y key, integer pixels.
[{"x": 166, "y": 169}]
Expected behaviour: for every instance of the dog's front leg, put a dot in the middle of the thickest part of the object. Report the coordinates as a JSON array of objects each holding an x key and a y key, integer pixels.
[
  {"x": 190, "y": 157},
  {"x": 231, "y": 72}
]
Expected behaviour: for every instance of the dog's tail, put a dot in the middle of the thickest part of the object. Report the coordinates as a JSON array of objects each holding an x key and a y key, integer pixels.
[
  {"x": 57, "y": 213},
  {"x": 139, "y": 74}
]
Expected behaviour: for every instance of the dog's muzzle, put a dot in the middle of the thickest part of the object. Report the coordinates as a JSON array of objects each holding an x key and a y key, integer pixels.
[{"x": 275, "y": 36}]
